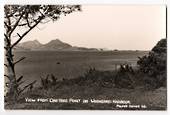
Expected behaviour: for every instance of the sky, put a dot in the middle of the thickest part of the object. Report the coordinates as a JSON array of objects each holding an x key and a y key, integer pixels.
[{"x": 122, "y": 27}]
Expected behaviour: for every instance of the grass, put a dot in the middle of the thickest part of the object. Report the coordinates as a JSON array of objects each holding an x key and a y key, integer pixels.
[{"x": 154, "y": 100}]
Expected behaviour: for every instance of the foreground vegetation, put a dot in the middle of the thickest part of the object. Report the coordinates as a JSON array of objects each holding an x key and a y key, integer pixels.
[
  {"x": 87, "y": 87},
  {"x": 95, "y": 85}
]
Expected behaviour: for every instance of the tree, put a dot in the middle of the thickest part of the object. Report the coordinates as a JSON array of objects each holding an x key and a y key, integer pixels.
[
  {"x": 155, "y": 64},
  {"x": 26, "y": 18}
]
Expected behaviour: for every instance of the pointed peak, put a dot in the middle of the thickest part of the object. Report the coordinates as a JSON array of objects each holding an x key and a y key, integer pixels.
[
  {"x": 35, "y": 40},
  {"x": 57, "y": 40}
]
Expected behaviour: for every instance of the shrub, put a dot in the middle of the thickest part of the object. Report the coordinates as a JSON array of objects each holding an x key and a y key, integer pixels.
[
  {"x": 95, "y": 77},
  {"x": 154, "y": 65},
  {"x": 48, "y": 81},
  {"x": 125, "y": 77}
]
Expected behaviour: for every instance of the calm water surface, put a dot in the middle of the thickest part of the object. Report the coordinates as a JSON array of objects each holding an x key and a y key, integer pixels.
[{"x": 70, "y": 64}]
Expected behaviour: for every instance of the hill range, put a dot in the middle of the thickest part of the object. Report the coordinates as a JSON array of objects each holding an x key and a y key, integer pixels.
[{"x": 53, "y": 45}]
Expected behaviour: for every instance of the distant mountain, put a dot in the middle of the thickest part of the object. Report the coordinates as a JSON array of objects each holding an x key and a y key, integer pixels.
[
  {"x": 30, "y": 44},
  {"x": 56, "y": 44}
]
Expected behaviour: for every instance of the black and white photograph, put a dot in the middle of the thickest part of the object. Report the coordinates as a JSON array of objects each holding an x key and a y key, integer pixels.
[{"x": 85, "y": 57}]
